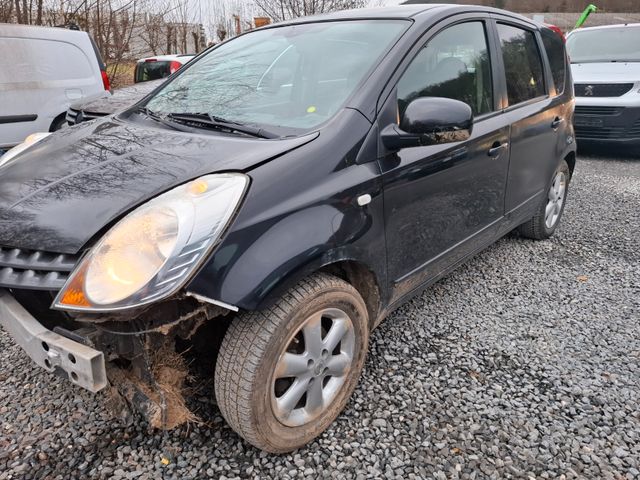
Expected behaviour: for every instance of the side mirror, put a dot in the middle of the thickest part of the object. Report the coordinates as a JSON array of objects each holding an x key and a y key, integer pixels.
[{"x": 430, "y": 121}]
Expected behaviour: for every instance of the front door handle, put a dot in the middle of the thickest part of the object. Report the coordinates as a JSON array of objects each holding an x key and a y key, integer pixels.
[
  {"x": 557, "y": 122},
  {"x": 496, "y": 148}
]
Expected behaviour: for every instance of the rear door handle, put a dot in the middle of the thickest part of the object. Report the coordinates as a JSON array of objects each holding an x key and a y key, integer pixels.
[
  {"x": 557, "y": 122},
  {"x": 496, "y": 148}
]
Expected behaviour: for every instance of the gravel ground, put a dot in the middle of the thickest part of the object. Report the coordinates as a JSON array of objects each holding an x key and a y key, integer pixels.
[{"x": 524, "y": 363}]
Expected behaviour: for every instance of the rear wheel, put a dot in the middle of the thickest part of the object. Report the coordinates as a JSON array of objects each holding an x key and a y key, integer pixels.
[
  {"x": 284, "y": 374},
  {"x": 546, "y": 220}
]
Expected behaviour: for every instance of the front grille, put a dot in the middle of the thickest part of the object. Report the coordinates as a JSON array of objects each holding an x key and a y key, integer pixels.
[
  {"x": 602, "y": 89},
  {"x": 585, "y": 110},
  {"x": 78, "y": 116},
  {"x": 599, "y": 133},
  {"x": 34, "y": 270},
  {"x": 72, "y": 115},
  {"x": 86, "y": 116},
  {"x": 634, "y": 131}
]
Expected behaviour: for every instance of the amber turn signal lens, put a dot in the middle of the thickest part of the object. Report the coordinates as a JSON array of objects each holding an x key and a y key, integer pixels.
[
  {"x": 198, "y": 187},
  {"x": 73, "y": 295}
]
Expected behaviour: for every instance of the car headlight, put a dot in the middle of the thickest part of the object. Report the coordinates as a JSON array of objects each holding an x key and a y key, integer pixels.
[
  {"x": 153, "y": 251},
  {"x": 28, "y": 142}
]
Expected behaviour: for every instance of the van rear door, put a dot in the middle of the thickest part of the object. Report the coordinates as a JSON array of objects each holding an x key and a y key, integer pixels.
[{"x": 42, "y": 71}]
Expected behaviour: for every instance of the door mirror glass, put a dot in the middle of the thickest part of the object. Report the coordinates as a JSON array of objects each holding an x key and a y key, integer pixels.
[{"x": 430, "y": 121}]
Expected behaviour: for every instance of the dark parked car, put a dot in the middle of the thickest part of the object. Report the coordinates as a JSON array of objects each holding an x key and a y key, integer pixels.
[
  {"x": 119, "y": 100},
  {"x": 264, "y": 213}
]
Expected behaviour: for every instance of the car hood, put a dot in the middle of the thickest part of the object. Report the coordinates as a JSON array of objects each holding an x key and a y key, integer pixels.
[
  {"x": 606, "y": 72},
  {"x": 120, "y": 99},
  {"x": 61, "y": 192}
]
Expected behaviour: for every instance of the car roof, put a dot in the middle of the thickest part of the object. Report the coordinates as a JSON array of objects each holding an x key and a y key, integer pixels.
[
  {"x": 396, "y": 11},
  {"x": 162, "y": 58},
  {"x": 408, "y": 10},
  {"x": 37, "y": 31},
  {"x": 602, "y": 27}
]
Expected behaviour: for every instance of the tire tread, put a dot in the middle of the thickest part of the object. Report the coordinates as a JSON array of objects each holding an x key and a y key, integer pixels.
[{"x": 245, "y": 344}]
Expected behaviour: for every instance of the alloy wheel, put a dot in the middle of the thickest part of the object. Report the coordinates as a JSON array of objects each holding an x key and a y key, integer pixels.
[
  {"x": 555, "y": 200},
  {"x": 313, "y": 367}
]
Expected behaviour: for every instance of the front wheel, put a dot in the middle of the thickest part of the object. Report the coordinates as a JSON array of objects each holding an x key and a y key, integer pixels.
[
  {"x": 546, "y": 220},
  {"x": 284, "y": 374}
]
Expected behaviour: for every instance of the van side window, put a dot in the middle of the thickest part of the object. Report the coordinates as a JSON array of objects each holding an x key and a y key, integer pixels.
[
  {"x": 34, "y": 59},
  {"x": 522, "y": 64},
  {"x": 554, "y": 46},
  {"x": 453, "y": 64}
]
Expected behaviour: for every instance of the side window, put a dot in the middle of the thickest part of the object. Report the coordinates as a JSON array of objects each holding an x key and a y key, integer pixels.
[
  {"x": 42, "y": 60},
  {"x": 453, "y": 64},
  {"x": 522, "y": 64},
  {"x": 554, "y": 46}
]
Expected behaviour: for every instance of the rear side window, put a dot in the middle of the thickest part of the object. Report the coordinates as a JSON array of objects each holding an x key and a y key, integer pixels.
[
  {"x": 32, "y": 60},
  {"x": 554, "y": 46},
  {"x": 146, "y": 71},
  {"x": 522, "y": 64}
]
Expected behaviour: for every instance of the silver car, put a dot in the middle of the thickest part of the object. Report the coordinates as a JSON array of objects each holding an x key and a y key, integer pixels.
[{"x": 605, "y": 63}]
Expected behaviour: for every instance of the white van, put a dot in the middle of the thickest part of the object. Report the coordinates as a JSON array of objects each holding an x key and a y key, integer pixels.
[{"x": 42, "y": 71}]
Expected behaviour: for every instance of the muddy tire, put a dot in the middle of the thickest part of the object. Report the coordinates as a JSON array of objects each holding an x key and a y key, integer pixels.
[
  {"x": 547, "y": 218},
  {"x": 284, "y": 374}
]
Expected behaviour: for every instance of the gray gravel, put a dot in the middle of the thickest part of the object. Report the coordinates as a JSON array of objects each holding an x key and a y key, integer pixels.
[{"x": 524, "y": 363}]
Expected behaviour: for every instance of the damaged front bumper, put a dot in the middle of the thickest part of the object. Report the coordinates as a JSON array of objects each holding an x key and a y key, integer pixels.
[
  {"x": 135, "y": 355},
  {"x": 83, "y": 365}
]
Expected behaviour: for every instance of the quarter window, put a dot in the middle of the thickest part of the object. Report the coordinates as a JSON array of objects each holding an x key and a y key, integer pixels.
[
  {"x": 522, "y": 64},
  {"x": 453, "y": 64},
  {"x": 554, "y": 46}
]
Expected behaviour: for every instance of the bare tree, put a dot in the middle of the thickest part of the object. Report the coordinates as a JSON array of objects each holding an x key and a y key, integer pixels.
[
  {"x": 6, "y": 11},
  {"x": 280, "y": 10},
  {"x": 221, "y": 32}
]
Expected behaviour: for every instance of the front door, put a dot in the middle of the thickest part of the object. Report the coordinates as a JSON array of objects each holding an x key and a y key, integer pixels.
[{"x": 444, "y": 201}]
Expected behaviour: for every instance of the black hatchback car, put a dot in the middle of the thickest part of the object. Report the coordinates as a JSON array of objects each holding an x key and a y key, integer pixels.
[{"x": 266, "y": 208}]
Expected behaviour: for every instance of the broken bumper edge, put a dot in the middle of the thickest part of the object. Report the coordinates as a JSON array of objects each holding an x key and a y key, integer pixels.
[{"x": 83, "y": 365}]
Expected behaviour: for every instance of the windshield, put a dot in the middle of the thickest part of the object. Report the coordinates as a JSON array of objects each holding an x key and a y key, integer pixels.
[
  {"x": 294, "y": 76},
  {"x": 605, "y": 45}
]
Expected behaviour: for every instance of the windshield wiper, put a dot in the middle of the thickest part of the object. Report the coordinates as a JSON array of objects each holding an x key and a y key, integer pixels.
[
  {"x": 159, "y": 118},
  {"x": 212, "y": 121}
]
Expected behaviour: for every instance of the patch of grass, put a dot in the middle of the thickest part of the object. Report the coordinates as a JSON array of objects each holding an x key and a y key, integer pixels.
[{"x": 121, "y": 75}]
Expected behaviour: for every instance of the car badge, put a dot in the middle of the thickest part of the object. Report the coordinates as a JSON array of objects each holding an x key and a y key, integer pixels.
[{"x": 588, "y": 91}]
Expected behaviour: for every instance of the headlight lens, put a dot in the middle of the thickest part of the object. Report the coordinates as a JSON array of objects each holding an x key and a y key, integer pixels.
[
  {"x": 153, "y": 251},
  {"x": 29, "y": 141},
  {"x": 129, "y": 257}
]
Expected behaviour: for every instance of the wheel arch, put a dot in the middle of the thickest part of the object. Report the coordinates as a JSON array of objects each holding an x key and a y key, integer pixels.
[
  {"x": 356, "y": 273},
  {"x": 363, "y": 279},
  {"x": 57, "y": 119},
  {"x": 570, "y": 158}
]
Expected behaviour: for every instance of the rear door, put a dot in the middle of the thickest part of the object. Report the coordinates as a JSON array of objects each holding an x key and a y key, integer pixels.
[
  {"x": 443, "y": 202},
  {"x": 534, "y": 110}
]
